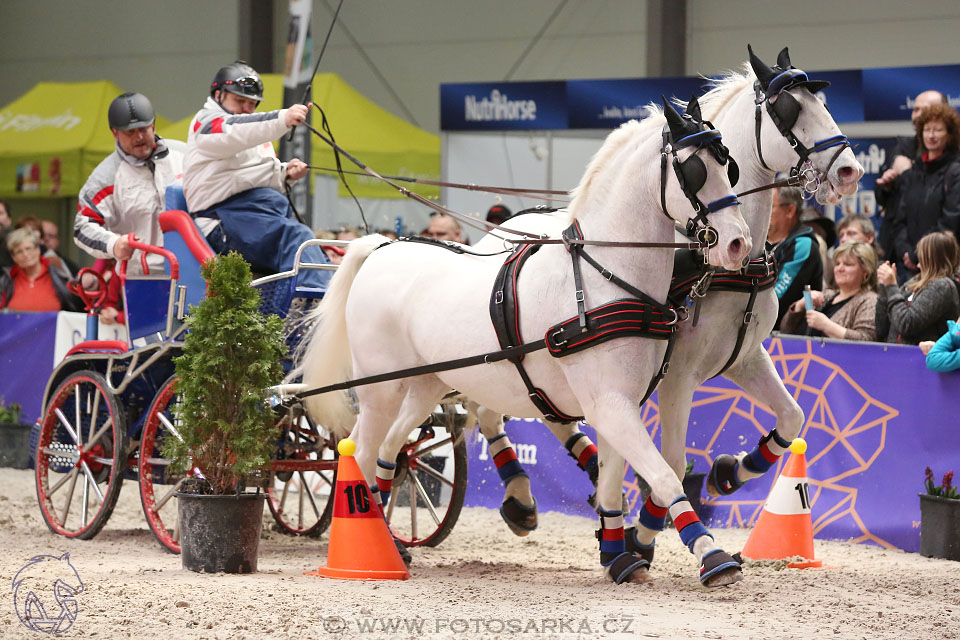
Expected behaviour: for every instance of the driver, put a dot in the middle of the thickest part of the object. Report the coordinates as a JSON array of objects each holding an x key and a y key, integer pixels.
[
  {"x": 234, "y": 182},
  {"x": 125, "y": 193}
]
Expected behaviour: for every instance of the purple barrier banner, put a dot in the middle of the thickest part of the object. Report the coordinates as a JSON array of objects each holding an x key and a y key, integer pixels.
[
  {"x": 875, "y": 418},
  {"x": 26, "y": 358}
]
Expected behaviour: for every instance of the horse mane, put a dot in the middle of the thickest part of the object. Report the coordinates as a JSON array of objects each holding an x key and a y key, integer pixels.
[
  {"x": 723, "y": 90},
  {"x": 615, "y": 141}
]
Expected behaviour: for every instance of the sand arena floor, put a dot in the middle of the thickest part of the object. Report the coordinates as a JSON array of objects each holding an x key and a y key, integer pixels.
[{"x": 482, "y": 582}]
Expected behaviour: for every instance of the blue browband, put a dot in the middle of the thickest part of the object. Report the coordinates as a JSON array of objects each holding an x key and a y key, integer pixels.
[
  {"x": 785, "y": 79},
  {"x": 723, "y": 203},
  {"x": 700, "y": 138}
]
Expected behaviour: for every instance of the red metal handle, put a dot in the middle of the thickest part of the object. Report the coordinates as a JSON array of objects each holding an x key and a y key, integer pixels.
[
  {"x": 149, "y": 248},
  {"x": 92, "y": 300}
]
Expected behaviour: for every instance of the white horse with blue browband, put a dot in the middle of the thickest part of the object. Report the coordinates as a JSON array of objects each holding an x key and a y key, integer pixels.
[
  {"x": 793, "y": 123},
  {"x": 410, "y": 304}
]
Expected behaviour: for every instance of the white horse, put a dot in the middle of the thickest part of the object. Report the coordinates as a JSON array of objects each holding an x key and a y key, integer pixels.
[
  {"x": 409, "y": 304},
  {"x": 731, "y": 105}
]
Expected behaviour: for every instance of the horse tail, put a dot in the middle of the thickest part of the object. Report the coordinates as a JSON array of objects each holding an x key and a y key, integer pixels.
[{"x": 324, "y": 357}]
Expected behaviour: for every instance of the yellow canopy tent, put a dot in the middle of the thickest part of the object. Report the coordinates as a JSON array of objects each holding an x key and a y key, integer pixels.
[
  {"x": 53, "y": 136},
  {"x": 381, "y": 140}
]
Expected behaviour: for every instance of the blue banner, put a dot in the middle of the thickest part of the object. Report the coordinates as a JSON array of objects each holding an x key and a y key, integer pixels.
[
  {"x": 893, "y": 89},
  {"x": 26, "y": 359},
  {"x": 502, "y": 106},
  {"x": 876, "y": 417},
  {"x": 606, "y": 104},
  {"x": 844, "y": 96}
]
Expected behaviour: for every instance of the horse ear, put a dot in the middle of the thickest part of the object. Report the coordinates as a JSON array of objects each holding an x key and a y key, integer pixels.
[
  {"x": 783, "y": 60},
  {"x": 674, "y": 120},
  {"x": 763, "y": 72},
  {"x": 693, "y": 109}
]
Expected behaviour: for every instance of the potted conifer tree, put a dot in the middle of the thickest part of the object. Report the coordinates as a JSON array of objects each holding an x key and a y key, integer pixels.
[
  {"x": 14, "y": 437},
  {"x": 231, "y": 354}
]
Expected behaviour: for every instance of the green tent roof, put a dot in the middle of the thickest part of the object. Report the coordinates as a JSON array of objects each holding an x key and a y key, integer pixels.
[{"x": 53, "y": 136}]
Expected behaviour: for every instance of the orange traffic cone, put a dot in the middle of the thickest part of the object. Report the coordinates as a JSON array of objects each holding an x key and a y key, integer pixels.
[
  {"x": 785, "y": 528},
  {"x": 361, "y": 547}
]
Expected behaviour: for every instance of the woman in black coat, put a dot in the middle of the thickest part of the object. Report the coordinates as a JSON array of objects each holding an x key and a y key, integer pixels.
[{"x": 928, "y": 195}]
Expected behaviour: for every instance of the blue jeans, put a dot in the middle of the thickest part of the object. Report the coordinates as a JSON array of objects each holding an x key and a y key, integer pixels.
[{"x": 259, "y": 224}]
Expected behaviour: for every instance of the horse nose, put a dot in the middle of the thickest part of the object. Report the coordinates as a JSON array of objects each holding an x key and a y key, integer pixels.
[{"x": 848, "y": 174}]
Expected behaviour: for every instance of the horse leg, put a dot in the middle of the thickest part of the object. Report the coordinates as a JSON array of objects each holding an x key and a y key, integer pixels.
[
  {"x": 619, "y": 564},
  {"x": 519, "y": 507},
  {"x": 716, "y": 566},
  {"x": 675, "y": 396},
  {"x": 387, "y": 416},
  {"x": 758, "y": 377},
  {"x": 582, "y": 449}
]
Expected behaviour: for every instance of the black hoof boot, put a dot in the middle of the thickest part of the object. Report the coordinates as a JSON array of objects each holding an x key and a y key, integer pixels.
[
  {"x": 718, "y": 568},
  {"x": 632, "y": 545},
  {"x": 722, "y": 479},
  {"x": 404, "y": 553},
  {"x": 519, "y": 517}
]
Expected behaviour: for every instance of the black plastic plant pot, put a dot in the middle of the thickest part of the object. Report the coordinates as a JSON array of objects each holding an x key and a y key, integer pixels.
[
  {"x": 15, "y": 445},
  {"x": 220, "y": 534},
  {"x": 939, "y": 527}
]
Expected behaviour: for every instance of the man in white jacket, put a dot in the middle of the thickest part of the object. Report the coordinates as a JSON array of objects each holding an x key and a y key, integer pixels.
[
  {"x": 234, "y": 183},
  {"x": 125, "y": 193}
]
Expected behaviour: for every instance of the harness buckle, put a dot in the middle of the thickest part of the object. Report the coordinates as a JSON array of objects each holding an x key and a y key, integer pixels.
[
  {"x": 498, "y": 299},
  {"x": 748, "y": 317},
  {"x": 676, "y": 317},
  {"x": 554, "y": 335},
  {"x": 580, "y": 297},
  {"x": 606, "y": 274},
  {"x": 665, "y": 369}
]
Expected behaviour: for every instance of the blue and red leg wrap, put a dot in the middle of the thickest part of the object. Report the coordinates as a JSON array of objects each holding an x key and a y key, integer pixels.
[
  {"x": 687, "y": 522},
  {"x": 584, "y": 452},
  {"x": 385, "y": 471},
  {"x": 764, "y": 455},
  {"x": 504, "y": 456},
  {"x": 652, "y": 516}
]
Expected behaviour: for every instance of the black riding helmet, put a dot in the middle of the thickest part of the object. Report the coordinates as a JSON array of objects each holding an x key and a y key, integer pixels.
[
  {"x": 238, "y": 78},
  {"x": 130, "y": 111}
]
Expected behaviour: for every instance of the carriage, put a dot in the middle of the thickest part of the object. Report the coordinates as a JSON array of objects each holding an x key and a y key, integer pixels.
[{"x": 109, "y": 405}]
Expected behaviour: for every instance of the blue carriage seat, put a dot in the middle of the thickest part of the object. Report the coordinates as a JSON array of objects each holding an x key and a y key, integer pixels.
[{"x": 182, "y": 237}]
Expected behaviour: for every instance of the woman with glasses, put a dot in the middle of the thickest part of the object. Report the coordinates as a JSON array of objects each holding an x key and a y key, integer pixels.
[{"x": 30, "y": 285}]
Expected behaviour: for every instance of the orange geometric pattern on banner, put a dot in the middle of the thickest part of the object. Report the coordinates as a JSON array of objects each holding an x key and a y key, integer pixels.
[
  {"x": 361, "y": 547},
  {"x": 804, "y": 375}
]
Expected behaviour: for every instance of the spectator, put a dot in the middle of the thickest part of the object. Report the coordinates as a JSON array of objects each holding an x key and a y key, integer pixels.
[
  {"x": 30, "y": 285},
  {"x": 51, "y": 240},
  {"x": 826, "y": 235},
  {"x": 847, "y": 312},
  {"x": 855, "y": 227},
  {"x": 234, "y": 183},
  {"x": 443, "y": 227},
  {"x": 498, "y": 214},
  {"x": 795, "y": 249},
  {"x": 903, "y": 156},
  {"x": 126, "y": 192},
  {"x": 905, "y": 152},
  {"x": 919, "y": 310},
  {"x": 6, "y": 226},
  {"x": 388, "y": 233},
  {"x": 348, "y": 233},
  {"x": 335, "y": 254},
  {"x": 928, "y": 195},
  {"x": 944, "y": 354}
]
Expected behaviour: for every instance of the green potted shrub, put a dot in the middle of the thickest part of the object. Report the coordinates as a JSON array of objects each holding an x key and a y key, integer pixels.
[
  {"x": 231, "y": 354},
  {"x": 940, "y": 518},
  {"x": 14, "y": 437}
]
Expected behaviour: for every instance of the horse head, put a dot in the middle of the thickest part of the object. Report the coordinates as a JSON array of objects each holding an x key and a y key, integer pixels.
[
  {"x": 796, "y": 131},
  {"x": 704, "y": 174}
]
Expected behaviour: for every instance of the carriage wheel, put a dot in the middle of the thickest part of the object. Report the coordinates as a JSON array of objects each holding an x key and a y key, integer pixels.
[
  {"x": 157, "y": 486},
  {"x": 300, "y": 487},
  {"x": 80, "y": 456},
  {"x": 429, "y": 484}
]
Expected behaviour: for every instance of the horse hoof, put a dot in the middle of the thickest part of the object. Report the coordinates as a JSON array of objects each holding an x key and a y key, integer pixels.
[
  {"x": 631, "y": 545},
  {"x": 628, "y": 567},
  {"x": 723, "y": 578},
  {"x": 520, "y": 518},
  {"x": 718, "y": 568},
  {"x": 722, "y": 479}
]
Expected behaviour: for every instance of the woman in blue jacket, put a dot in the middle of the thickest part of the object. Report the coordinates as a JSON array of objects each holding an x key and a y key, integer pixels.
[{"x": 944, "y": 354}]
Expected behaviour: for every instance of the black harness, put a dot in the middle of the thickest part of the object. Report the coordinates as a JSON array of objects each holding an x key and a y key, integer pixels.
[
  {"x": 784, "y": 109},
  {"x": 639, "y": 316}
]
